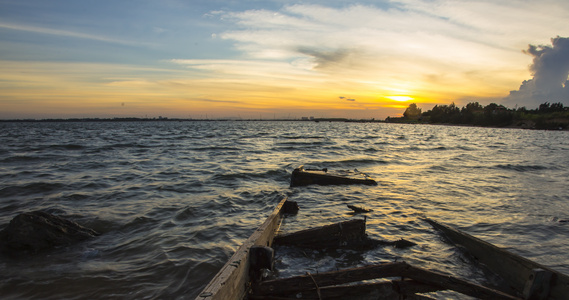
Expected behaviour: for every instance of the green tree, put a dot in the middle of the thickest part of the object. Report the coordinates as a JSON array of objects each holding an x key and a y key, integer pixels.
[
  {"x": 473, "y": 113},
  {"x": 412, "y": 112}
]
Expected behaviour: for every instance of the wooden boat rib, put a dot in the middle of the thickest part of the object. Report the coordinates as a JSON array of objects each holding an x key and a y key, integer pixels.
[
  {"x": 232, "y": 280},
  {"x": 532, "y": 280}
]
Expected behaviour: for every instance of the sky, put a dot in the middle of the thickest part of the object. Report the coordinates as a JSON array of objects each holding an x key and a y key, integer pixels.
[{"x": 277, "y": 59}]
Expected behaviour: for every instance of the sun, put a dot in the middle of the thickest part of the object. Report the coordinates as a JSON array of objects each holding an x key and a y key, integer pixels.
[{"x": 400, "y": 98}]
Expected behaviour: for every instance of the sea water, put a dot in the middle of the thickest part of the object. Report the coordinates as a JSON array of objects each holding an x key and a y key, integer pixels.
[{"x": 174, "y": 200}]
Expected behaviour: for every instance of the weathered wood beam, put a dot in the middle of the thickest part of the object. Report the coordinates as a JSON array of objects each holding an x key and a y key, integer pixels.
[
  {"x": 377, "y": 290},
  {"x": 231, "y": 282},
  {"x": 538, "y": 285},
  {"x": 307, "y": 282},
  {"x": 452, "y": 283},
  {"x": 394, "y": 289},
  {"x": 433, "y": 280},
  {"x": 409, "y": 287},
  {"x": 335, "y": 235},
  {"x": 516, "y": 270}
]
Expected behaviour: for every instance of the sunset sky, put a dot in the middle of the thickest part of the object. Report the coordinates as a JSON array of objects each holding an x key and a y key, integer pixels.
[{"x": 276, "y": 59}]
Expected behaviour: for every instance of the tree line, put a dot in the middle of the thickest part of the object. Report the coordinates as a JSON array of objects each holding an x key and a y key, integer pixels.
[{"x": 546, "y": 116}]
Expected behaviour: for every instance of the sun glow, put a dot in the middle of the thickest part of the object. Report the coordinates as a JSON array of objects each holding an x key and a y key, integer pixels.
[{"x": 400, "y": 98}]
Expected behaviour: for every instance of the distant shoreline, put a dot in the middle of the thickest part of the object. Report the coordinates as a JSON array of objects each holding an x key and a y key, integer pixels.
[
  {"x": 315, "y": 120},
  {"x": 189, "y": 120}
]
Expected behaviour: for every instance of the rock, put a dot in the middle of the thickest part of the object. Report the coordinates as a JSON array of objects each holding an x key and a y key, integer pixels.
[{"x": 39, "y": 231}]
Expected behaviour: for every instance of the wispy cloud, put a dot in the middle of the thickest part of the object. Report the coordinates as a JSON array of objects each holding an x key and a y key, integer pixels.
[{"x": 66, "y": 33}]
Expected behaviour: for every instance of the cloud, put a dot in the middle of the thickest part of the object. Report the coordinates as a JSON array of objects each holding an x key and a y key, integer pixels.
[
  {"x": 347, "y": 99},
  {"x": 323, "y": 59},
  {"x": 437, "y": 49},
  {"x": 550, "y": 70},
  {"x": 66, "y": 33}
]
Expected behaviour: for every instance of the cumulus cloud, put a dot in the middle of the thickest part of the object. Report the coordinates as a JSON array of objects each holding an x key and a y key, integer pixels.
[{"x": 550, "y": 70}]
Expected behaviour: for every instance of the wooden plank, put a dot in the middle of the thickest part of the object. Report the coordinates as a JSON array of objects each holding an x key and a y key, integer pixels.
[
  {"x": 409, "y": 287},
  {"x": 307, "y": 282},
  {"x": 514, "y": 269},
  {"x": 456, "y": 284},
  {"x": 438, "y": 281},
  {"x": 537, "y": 287},
  {"x": 395, "y": 289},
  {"x": 385, "y": 290},
  {"x": 231, "y": 281},
  {"x": 334, "y": 235},
  {"x": 377, "y": 290},
  {"x": 303, "y": 177}
]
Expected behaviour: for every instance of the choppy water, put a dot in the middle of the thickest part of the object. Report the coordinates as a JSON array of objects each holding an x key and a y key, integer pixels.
[{"x": 174, "y": 200}]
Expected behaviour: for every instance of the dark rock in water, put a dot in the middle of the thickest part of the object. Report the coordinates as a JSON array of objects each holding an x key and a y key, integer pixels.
[{"x": 38, "y": 231}]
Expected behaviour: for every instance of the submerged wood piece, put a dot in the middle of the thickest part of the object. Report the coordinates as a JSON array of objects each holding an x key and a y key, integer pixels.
[
  {"x": 359, "y": 209},
  {"x": 232, "y": 280},
  {"x": 348, "y": 234},
  {"x": 427, "y": 281},
  {"x": 290, "y": 207},
  {"x": 537, "y": 287},
  {"x": 400, "y": 243},
  {"x": 377, "y": 290},
  {"x": 260, "y": 258},
  {"x": 456, "y": 284},
  {"x": 407, "y": 287},
  {"x": 343, "y": 234},
  {"x": 307, "y": 282},
  {"x": 514, "y": 269},
  {"x": 302, "y": 177}
]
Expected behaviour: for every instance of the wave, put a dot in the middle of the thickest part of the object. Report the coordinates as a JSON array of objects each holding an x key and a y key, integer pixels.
[
  {"x": 125, "y": 145},
  {"x": 301, "y": 137},
  {"x": 215, "y": 148},
  {"x": 349, "y": 163},
  {"x": 235, "y": 178},
  {"x": 520, "y": 168},
  {"x": 73, "y": 147},
  {"x": 21, "y": 159},
  {"x": 303, "y": 143},
  {"x": 31, "y": 189}
]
